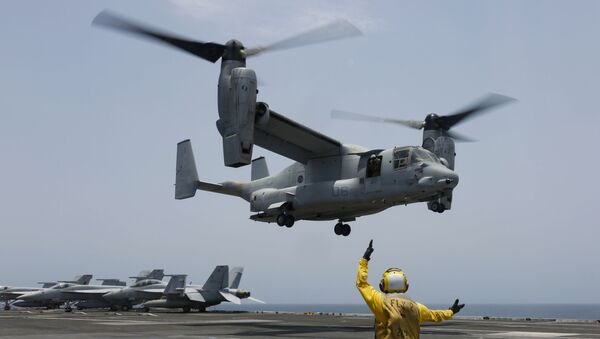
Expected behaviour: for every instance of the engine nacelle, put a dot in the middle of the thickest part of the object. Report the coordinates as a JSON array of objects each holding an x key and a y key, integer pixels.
[
  {"x": 237, "y": 115},
  {"x": 441, "y": 145},
  {"x": 263, "y": 113}
]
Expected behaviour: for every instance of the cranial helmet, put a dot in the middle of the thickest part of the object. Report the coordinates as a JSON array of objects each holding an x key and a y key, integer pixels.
[{"x": 393, "y": 281}]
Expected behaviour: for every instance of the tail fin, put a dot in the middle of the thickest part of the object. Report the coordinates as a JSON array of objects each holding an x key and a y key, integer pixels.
[
  {"x": 218, "y": 279},
  {"x": 235, "y": 275},
  {"x": 141, "y": 276},
  {"x": 259, "y": 169},
  {"x": 186, "y": 177},
  {"x": 83, "y": 279},
  {"x": 157, "y": 274},
  {"x": 176, "y": 284}
]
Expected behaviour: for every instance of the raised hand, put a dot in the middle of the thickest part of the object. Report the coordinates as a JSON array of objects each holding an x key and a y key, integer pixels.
[
  {"x": 456, "y": 307},
  {"x": 369, "y": 250}
]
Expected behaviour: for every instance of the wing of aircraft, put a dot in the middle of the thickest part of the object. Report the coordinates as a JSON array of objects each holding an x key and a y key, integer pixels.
[{"x": 293, "y": 140}]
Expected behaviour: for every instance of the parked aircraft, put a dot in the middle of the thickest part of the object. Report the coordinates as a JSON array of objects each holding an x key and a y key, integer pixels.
[{"x": 222, "y": 285}]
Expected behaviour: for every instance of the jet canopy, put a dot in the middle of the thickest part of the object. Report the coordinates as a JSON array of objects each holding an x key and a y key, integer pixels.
[{"x": 146, "y": 282}]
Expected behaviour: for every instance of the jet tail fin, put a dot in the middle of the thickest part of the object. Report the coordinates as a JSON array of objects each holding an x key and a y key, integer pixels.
[
  {"x": 157, "y": 274},
  {"x": 83, "y": 279},
  {"x": 259, "y": 169},
  {"x": 235, "y": 275},
  {"x": 218, "y": 279},
  {"x": 176, "y": 284}
]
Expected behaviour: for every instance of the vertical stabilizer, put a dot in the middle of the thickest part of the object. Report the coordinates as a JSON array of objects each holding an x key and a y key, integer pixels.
[
  {"x": 186, "y": 176},
  {"x": 235, "y": 275},
  {"x": 176, "y": 284},
  {"x": 259, "y": 169},
  {"x": 83, "y": 279},
  {"x": 218, "y": 279},
  {"x": 157, "y": 274}
]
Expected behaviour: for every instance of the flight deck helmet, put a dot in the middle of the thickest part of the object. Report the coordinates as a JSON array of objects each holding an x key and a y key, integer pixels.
[{"x": 393, "y": 281}]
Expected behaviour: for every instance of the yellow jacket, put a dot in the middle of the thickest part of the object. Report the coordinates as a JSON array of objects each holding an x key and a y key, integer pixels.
[{"x": 396, "y": 315}]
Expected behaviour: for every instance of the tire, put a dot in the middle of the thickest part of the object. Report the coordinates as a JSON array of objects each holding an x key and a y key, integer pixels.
[
  {"x": 338, "y": 229},
  {"x": 441, "y": 208},
  {"x": 346, "y": 230},
  {"x": 186, "y": 309},
  {"x": 281, "y": 219},
  {"x": 7, "y": 307},
  {"x": 125, "y": 308},
  {"x": 289, "y": 221},
  {"x": 201, "y": 309},
  {"x": 435, "y": 206},
  {"x": 146, "y": 309}
]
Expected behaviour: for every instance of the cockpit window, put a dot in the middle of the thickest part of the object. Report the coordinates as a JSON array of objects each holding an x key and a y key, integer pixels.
[
  {"x": 401, "y": 158},
  {"x": 421, "y": 155}
]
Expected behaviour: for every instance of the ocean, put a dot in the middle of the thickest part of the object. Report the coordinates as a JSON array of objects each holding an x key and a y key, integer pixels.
[{"x": 534, "y": 311}]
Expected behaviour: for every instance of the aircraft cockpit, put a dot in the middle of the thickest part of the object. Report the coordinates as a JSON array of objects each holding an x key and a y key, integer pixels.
[
  {"x": 146, "y": 282},
  {"x": 405, "y": 156},
  {"x": 60, "y": 286}
]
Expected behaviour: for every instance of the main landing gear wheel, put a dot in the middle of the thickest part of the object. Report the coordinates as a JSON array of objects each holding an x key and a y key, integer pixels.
[
  {"x": 286, "y": 220},
  {"x": 186, "y": 309},
  {"x": 125, "y": 308},
  {"x": 7, "y": 307},
  {"x": 342, "y": 229},
  {"x": 437, "y": 207}
]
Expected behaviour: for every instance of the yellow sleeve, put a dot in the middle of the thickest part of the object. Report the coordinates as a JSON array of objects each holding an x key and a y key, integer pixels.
[
  {"x": 372, "y": 297},
  {"x": 426, "y": 314}
]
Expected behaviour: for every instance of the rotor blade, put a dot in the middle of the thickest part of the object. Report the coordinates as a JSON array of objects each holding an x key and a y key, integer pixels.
[
  {"x": 206, "y": 50},
  {"x": 338, "y": 29},
  {"x": 256, "y": 300},
  {"x": 459, "y": 137},
  {"x": 337, "y": 114},
  {"x": 490, "y": 101}
]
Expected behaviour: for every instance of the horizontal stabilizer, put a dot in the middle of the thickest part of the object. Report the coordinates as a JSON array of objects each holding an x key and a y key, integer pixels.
[
  {"x": 231, "y": 298},
  {"x": 256, "y": 300},
  {"x": 194, "y": 295}
]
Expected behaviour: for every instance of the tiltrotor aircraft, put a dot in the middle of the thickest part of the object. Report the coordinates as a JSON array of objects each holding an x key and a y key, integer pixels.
[{"x": 330, "y": 180}]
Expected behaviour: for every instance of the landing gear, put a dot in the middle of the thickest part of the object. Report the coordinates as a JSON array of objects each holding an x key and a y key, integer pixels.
[
  {"x": 286, "y": 220},
  {"x": 68, "y": 309},
  {"x": 201, "y": 309},
  {"x": 125, "y": 308},
  {"x": 342, "y": 229},
  {"x": 7, "y": 306},
  {"x": 438, "y": 207},
  {"x": 187, "y": 309},
  {"x": 146, "y": 309}
]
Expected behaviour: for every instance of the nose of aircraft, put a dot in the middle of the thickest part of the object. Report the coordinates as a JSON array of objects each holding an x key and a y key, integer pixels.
[
  {"x": 442, "y": 176},
  {"x": 30, "y": 296}
]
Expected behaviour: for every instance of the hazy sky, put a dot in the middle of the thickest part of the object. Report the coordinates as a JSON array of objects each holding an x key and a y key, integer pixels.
[{"x": 90, "y": 120}]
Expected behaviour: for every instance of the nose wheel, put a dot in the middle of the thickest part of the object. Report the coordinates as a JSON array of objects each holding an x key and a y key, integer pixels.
[
  {"x": 342, "y": 229},
  {"x": 286, "y": 220}
]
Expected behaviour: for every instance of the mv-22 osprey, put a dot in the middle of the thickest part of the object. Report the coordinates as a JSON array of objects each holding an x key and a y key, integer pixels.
[{"x": 329, "y": 180}]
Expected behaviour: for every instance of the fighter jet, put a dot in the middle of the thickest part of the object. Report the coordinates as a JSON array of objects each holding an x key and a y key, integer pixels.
[
  {"x": 148, "y": 286},
  {"x": 216, "y": 290},
  {"x": 21, "y": 293},
  {"x": 67, "y": 293}
]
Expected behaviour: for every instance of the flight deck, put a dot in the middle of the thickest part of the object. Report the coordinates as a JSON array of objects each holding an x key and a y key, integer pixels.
[{"x": 104, "y": 324}]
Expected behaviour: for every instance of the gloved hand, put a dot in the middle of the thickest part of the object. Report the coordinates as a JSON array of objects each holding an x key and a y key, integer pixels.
[
  {"x": 369, "y": 250},
  {"x": 455, "y": 308}
]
